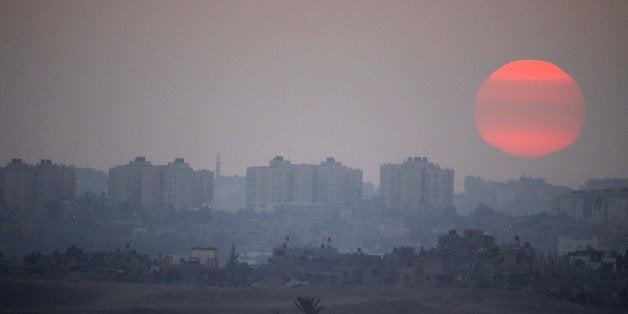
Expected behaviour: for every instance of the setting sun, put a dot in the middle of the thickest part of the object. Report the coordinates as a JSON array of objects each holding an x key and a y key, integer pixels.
[{"x": 529, "y": 109}]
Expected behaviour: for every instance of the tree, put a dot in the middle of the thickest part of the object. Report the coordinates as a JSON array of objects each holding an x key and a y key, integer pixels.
[
  {"x": 236, "y": 273},
  {"x": 308, "y": 305},
  {"x": 233, "y": 256}
]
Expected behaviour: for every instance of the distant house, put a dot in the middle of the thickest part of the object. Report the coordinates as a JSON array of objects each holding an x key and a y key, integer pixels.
[
  {"x": 567, "y": 244},
  {"x": 204, "y": 256}
]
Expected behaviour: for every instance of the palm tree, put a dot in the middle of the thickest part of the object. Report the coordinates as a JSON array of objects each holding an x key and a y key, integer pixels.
[{"x": 308, "y": 305}]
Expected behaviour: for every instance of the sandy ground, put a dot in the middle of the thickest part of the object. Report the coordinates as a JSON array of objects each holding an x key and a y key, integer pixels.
[{"x": 38, "y": 296}]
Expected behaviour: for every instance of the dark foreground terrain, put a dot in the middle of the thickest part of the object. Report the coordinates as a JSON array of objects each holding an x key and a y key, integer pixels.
[{"x": 40, "y": 296}]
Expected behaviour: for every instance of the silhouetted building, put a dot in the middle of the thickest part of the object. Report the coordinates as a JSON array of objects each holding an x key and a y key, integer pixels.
[
  {"x": 416, "y": 184},
  {"x": 90, "y": 180},
  {"x": 325, "y": 266},
  {"x": 206, "y": 256},
  {"x": 175, "y": 184},
  {"x": 282, "y": 183},
  {"x": 185, "y": 188},
  {"x": 203, "y": 256},
  {"x": 35, "y": 186},
  {"x": 606, "y": 184},
  {"x": 523, "y": 196},
  {"x": 336, "y": 184},
  {"x": 137, "y": 183},
  {"x": 567, "y": 244},
  {"x": 229, "y": 193},
  {"x": 597, "y": 206}
]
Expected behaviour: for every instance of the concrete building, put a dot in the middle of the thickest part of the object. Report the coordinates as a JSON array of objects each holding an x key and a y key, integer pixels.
[
  {"x": 136, "y": 183},
  {"x": 283, "y": 183},
  {"x": 568, "y": 244},
  {"x": 176, "y": 184},
  {"x": 606, "y": 184},
  {"x": 229, "y": 193},
  {"x": 597, "y": 206},
  {"x": 206, "y": 256},
  {"x": 204, "y": 187},
  {"x": 280, "y": 183},
  {"x": 18, "y": 179},
  {"x": 53, "y": 183},
  {"x": 202, "y": 256},
  {"x": 416, "y": 184},
  {"x": 337, "y": 184},
  {"x": 35, "y": 186}
]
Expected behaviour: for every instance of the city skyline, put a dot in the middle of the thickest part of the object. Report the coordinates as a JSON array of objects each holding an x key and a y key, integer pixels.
[{"x": 97, "y": 84}]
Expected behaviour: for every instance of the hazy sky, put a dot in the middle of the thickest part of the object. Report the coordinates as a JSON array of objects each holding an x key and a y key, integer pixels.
[{"x": 96, "y": 83}]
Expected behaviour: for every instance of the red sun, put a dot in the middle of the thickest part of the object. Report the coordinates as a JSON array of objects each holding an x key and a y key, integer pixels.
[{"x": 529, "y": 109}]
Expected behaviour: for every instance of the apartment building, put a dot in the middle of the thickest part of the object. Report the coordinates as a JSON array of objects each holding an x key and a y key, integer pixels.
[
  {"x": 35, "y": 186},
  {"x": 175, "y": 184},
  {"x": 283, "y": 183},
  {"x": 416, "y": 184}
]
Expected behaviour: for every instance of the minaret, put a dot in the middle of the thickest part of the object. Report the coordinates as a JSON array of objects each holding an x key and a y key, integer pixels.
[{"x": 217, "y": 172}]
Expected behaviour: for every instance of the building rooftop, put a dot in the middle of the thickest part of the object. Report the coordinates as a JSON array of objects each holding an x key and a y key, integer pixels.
[{"x": 204, "y": 248}]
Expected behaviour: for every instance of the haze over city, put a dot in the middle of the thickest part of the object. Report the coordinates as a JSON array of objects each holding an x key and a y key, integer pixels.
[
  {"x": 273, "y": 156},
  {"x": 98, "y": 83}
]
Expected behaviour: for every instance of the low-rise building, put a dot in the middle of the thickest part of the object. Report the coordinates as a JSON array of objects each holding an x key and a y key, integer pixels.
[
  {"x": 202, "y": 256},
  {"x": 326, "y": 266},
  {"x": 568, "y": 244},
  {"x": 206, "y": 256}
]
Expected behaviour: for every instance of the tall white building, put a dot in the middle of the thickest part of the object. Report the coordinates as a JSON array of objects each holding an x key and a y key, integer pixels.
[
  {"x": 284, "y": 183},
  {"x": 416, "y": 184},
  {"x": 337, "y": 184},
  {"x": 136, "y": 183},
  {"x": 175, "y": 184}
]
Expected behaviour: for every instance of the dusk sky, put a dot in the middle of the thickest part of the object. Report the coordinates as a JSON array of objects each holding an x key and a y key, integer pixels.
[{"x": 96, "y": 83}]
